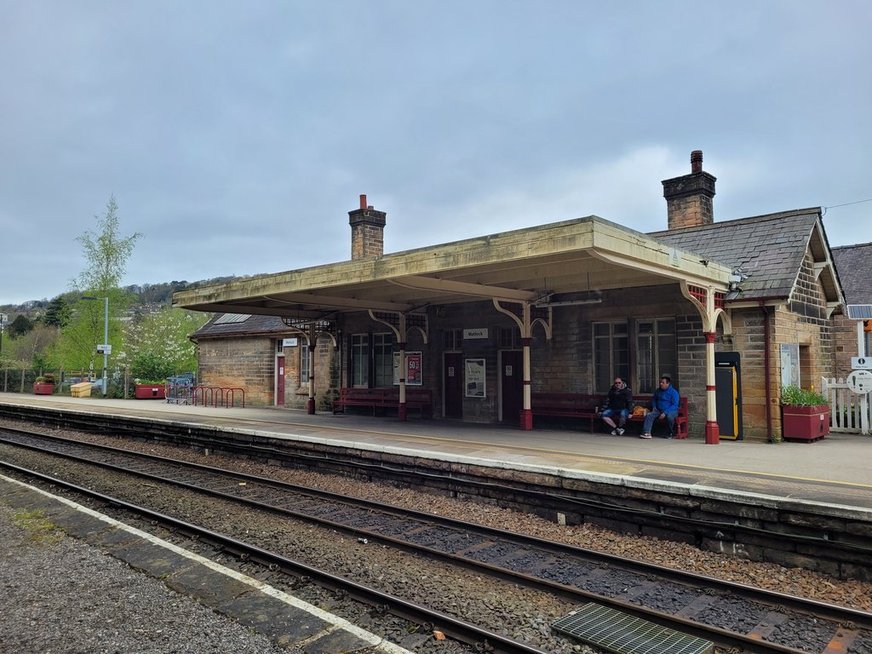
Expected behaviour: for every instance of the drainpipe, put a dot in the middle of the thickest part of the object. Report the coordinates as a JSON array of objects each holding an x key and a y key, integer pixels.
[{"x": 766, "y": 366}]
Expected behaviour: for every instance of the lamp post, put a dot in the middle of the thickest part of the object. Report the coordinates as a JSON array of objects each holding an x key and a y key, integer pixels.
[
  {"x": 3, "y": 319},
  {"x": 105, "y": 335}
]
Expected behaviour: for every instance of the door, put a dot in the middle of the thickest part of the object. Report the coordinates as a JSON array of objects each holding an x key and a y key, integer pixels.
[
  {"x": 453, "y": 384},
  {"x": 728, "y": 394},
  {"x": 280, "y": 381},
  {"x": 511, "y": 385}
]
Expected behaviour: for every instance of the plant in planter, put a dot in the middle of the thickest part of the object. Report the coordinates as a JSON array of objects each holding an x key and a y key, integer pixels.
[
  {"x": 44, "y": 385},
  {"x": 805, "y": 414},
  {"x": 149, "y": 372}
]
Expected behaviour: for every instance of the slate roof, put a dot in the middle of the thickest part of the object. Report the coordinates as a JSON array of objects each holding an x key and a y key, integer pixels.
[
  {"x": 768, "y": 249},
  {"x": 254, "y": 325},
  {"x": 854, "y": 263}
]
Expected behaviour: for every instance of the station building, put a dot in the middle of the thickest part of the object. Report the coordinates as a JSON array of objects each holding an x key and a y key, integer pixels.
[{"x": 732, "y": 311}]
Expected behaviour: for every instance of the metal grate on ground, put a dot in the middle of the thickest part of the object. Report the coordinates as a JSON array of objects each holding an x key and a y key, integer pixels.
[{"x": 624, "y": 634}]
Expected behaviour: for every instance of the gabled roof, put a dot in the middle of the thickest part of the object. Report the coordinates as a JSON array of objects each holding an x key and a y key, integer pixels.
[
  {"x": 253, "y": 325},
  {"x": 767, "y": 251},
  {"x": 854, "y": 263}
]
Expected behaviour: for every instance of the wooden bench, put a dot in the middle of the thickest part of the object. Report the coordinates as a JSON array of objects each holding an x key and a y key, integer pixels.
[
  {"x": 417, "y": 399},
  {"x": 680, "y": 419},
  {"x": 566, "y": 405},
  {"x": 586, "y": 407}
]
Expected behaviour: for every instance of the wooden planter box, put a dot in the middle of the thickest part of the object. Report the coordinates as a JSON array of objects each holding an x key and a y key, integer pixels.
[
  {"x": 43, "y": 388},
  {"x": 805, "y": 423},
  {"x": 148, "y": 391}
]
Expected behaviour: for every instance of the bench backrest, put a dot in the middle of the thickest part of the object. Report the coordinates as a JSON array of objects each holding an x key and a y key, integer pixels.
[
  {"x": 645, "y": 401},
  {"x": 565, "y": 400},
  {"x": 384, "y": 394}
]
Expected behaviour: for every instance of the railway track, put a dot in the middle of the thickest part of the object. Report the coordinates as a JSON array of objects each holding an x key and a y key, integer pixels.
[{"x": 731, "y": 615}]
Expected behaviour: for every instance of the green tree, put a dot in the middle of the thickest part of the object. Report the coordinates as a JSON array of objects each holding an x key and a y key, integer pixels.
[
  {"x": 31, "y": 349},
  {"x": 20, "y": 326},
  {"x": 106, "y": 254},
  {"x": 57, "y": 314},
  {"x": 157, "y": 344}
]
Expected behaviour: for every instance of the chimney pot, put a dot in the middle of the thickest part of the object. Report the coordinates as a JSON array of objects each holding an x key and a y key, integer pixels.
[
  {"x": 696, "y": 161},
  {"x": 367, "y": 231}
]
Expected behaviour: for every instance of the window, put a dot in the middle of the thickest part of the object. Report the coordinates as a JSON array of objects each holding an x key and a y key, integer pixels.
[
  {"x": 656, "y": 353},
  {"x": 383, "y": 359},
  {"x": 304, "y": 364},
  {"x": 360, "y": 360},
  {"x": 372, "y": 360},
  {"x": 452, "y": 339},
  {"x": 510, "y": 338},
  {"x": 610, "y": 354}
]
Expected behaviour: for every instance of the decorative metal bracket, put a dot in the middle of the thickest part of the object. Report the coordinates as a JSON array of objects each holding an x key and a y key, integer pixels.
[
  {"x": 536, "y": 315},
  {"x": 313, "y": 328}
]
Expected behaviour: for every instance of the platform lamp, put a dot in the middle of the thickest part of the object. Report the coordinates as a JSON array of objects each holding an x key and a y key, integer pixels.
[{"x": 105, "y": 335}]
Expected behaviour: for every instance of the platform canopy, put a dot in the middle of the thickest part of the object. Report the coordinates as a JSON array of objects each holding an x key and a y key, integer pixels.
[{"x": 552, "y": 264}]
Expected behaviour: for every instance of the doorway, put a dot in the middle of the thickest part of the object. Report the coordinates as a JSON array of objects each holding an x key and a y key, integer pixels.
[
  {"x": 280, "y": 380},
  {"x": 452, "y": 383},
  {"x": 511, "y": 385}
]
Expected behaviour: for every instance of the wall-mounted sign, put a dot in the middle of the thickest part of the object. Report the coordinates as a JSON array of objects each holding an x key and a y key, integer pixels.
[
  {"x": 478, "y": 332},
  {"x": 414, "y": 368},
  {"x": 290, "y": 342},
  {"x": 475, "y": 377},
  {"x": 861, "y": 363}
]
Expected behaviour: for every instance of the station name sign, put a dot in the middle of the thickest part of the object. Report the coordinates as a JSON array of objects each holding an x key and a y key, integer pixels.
[{"x": 480, "y": 332}]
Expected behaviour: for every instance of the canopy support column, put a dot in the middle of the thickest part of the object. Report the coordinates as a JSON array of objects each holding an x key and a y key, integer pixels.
[
  {"x": 709, "y": 302},
  {"x": 523, "y": 315},
  {"x": 399, "y": 323}
]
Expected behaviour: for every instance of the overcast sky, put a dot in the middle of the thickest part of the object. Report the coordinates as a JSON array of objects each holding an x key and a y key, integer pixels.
[{"x": 236, "y": 136}]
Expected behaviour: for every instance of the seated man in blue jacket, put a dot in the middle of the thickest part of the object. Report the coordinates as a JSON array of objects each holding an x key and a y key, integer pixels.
[{"x": 664, "y": 402}]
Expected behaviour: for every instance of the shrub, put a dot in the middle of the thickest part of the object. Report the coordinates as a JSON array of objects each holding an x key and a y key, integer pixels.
[{"x": 150, "y": 368}]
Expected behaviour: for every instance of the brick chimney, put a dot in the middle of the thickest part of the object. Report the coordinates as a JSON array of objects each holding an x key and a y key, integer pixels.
[
  {"x": 689, "y": 197},
  {"x": 367, "y": 231}
]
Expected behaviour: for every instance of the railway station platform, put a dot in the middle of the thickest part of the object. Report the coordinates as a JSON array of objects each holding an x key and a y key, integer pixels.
[{"x": 834, "y": 472}]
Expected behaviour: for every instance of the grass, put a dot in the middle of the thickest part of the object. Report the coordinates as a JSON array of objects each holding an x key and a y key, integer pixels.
[{"x": 40, "y": 529}]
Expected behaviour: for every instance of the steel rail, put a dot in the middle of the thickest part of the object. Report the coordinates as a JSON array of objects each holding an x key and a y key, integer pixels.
[
  {"x": 720, "y": 635},
  {"x": 460, "y": 630},
  {"x": 815, "y": 607}
]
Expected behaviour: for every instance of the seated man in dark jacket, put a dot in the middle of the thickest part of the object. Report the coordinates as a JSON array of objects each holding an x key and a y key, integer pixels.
[
  {"x": 664, "y": 403},
  {"x": 618, "y": 403}
]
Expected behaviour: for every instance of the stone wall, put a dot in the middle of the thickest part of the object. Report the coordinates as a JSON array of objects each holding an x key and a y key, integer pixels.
[{"x": 240, "y": 362}]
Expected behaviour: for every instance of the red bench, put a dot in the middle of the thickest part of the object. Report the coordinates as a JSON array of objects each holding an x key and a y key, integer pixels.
[
  {"x": 680, "y": 419},
  {"x": 417, "y": 399},
  {"x": 587, "y": 407},
  {"x": 566, "y": 405}
]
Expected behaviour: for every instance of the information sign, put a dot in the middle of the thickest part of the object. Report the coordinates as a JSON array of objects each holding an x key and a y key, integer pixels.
[{"x": 860, "y": 381}]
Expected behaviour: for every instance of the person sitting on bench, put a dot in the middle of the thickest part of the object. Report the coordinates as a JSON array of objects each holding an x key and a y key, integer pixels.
[
  {"x": 664, "y": 402},
  {"x": 618, "y": 404}
]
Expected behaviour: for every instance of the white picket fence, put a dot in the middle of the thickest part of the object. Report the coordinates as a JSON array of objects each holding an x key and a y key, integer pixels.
[{"x": 849, "y": 412}]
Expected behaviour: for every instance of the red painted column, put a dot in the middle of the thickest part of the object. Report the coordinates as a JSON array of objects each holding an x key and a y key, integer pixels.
[{"x": 712, "y": 432}]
